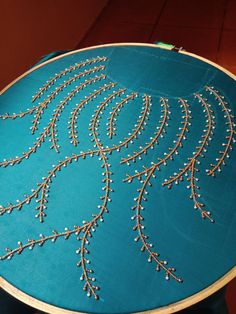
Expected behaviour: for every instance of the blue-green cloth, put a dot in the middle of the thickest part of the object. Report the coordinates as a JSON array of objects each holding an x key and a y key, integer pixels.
[
  {"x": 201, "y": 251},
  {"x": 50, "y": 56}
]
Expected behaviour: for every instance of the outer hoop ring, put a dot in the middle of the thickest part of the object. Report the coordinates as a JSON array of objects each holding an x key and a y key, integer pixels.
[{"x": 172, "y": 308}]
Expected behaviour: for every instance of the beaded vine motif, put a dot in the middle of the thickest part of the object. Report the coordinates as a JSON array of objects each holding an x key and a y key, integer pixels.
[{"x": 85, "y": 231}]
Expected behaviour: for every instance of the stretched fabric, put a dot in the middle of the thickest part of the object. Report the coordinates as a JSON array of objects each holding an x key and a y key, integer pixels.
[{"x": 118, "y": 179}]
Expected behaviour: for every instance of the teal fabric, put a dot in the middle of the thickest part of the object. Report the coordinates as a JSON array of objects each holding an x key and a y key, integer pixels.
[
  {"x": 50, "y": 56},
  {"x": 201, "y": 251}
]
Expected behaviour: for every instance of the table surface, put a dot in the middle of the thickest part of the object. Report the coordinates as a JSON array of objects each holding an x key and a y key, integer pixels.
[{"x": 130, "y": 141}]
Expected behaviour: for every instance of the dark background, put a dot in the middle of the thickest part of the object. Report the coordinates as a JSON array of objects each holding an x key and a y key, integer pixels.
[{"x": 30, "y": 29}]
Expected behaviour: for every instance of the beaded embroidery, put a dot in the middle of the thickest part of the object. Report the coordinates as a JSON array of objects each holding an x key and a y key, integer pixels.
[{"x": 84, "y": 232}]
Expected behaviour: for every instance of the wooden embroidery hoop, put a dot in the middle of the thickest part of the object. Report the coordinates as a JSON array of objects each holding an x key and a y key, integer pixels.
[{"x": 177, "y": 306}]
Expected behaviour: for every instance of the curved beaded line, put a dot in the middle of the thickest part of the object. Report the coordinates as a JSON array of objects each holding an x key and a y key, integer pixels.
[
  {"x": 115, "y": 111},
  {"x": 153, "y": 140},
  {"x": 220, "y": 161},
  {"x": 42, "y": 239},
  {"x": 20, "y": 114},
  {"x": 57, "y": 76},
  {"x": 149, "y": 173},
  {"x": 189, "y": 167},
  {"x": 194, "y": 193},
  {"x": 50, "y": 129},
  {"x": 74, "y": 116},
  {"x": 44, "y": 186},
  {"x": 146, "y": 246},
  {"x": 89, "y": 287},
  {"x": 87, "y": 226},
  {"x": 168, "y": 156},
  {"x": 65, "y": 101},
  {"x": 138, "y": 127},
  {"x": 43, "y": 105}
]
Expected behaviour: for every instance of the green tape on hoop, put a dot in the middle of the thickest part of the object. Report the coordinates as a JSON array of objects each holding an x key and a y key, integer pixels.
[{"x": 165, "y": 45}]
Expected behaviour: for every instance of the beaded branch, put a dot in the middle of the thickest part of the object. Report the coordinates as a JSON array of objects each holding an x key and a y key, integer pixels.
[
  {"x": 64, "y": 72},
  {"x": 145, "y": 177},
  {"x": 41, "y": 192},
  {"x": 41, "y": 106},
  {"x": 149, "y": 174},
  {"x": 42, "y": 239},
  {"x": 88, "y": 227},
  {"x": 172, "y": 150},
  {"x": 50, "y": 130},
  {"x": 74, "y": 115},
  {"x": 139, "y": 227},
  {"x": 227, "y": 147},
  {"x": 153, "y": 140},
  {"x": 89, "y": 286},
  {"x": 190, "y": 168},
  {"x": 138, "y": 127},
  {"x": 115, "y": 111}
]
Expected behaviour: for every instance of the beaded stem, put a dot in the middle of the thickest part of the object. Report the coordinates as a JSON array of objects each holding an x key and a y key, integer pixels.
[
  {"x": 195, "y": 195},
  {"x": 205, "y": 138},
  {"x": 167, "y": 156},
  {"x": 153, "y": 140},
  {"x": 43, "y": 105},
  {"x": 115, "y": 110},
  {"x": 74, "y": 116},
  {"x": 50, "y": 130},
  {"x": 146, "y": 246},
  {"x": 89, "y": 286},
  {"x": 64, "y": 72},
  {"x": 220, "y": 161},
  {"x": 42, "y": 239},
  {"x": 200, "y": 150}
]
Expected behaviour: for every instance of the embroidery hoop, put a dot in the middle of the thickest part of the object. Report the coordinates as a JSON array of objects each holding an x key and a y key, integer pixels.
[{"x": 177, "y": 306}]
